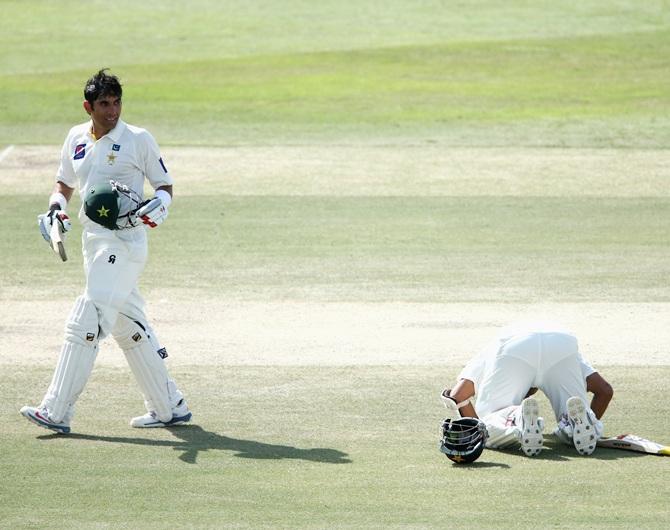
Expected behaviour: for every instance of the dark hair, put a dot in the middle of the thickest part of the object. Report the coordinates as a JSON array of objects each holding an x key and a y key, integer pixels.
[{"x": 102, "y": 85}]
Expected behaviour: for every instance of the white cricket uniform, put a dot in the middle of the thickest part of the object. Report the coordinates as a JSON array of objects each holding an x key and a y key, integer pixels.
[
  {"x": 113, "y": 262},
  {"x": 542, "y": 355},
  {"x": 113, "y": 259}
]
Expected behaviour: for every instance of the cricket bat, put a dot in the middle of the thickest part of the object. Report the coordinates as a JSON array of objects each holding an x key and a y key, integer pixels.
[
  {"x": 57, "y": 240},
  {"x": 631, "y": 442}
]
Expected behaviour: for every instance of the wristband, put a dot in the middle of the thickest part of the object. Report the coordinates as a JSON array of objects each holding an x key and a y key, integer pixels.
[
  {"x": 461, "y": 404},
  {"x": 165, "y": 197},
  {"x": 445, "y": 394},
  {"x": 59, "y": 199}
]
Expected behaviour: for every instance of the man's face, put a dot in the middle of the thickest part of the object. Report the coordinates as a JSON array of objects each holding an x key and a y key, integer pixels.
[{"x": 105, "y": 113}]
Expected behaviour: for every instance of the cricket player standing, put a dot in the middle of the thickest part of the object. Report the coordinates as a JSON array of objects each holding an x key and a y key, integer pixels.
[
  {"x": 101, "y": 150},
  {"x": 521, "y": 360}
]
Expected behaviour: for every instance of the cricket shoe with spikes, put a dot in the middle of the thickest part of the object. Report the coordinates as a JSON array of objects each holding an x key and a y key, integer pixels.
[
  {"x": 40, "y": 416},
  {"x": 180, "y": 415},
  {"x": 584, "y": 435},
  {"x": 531, "y": 427}
]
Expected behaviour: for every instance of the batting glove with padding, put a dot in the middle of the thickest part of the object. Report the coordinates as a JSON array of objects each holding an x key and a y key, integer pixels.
[
  {"x": 46, "y": 220},
  {"x": 152, "y": 212}
]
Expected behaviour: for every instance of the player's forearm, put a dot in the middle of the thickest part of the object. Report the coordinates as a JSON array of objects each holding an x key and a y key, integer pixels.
[
  {"x": 164, "y": 193},
  {"x": 599, "y": 404},
  {"x": 167, "y": 188},
  {"x": 468, "y": 411},
  {"x": 60, "y": 189},
  {"x": 602, "y": 393},
  {"x": 461, "y": 393}
]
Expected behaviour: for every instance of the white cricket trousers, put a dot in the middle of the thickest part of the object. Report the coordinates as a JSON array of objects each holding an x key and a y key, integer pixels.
[
  {"x": 113, "y": 263},
  {"x": 549, "y": 361}
]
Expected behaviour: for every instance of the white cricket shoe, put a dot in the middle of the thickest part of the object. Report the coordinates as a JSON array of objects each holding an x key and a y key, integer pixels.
[
  {"x": 531, "y": 427},
  {"x": 41, "y": 417},
  {"x": 584, "y": 435},
  {"x": 180, "y": 415}
]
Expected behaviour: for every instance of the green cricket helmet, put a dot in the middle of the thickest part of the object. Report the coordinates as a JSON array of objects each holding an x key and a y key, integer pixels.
[
  {"x": 112, "y": 205},
  {"x": 101, "y": 204}
]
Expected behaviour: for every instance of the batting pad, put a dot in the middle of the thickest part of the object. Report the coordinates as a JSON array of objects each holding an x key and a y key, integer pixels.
[
  {"x": 83, "y": 324},
  {"x": 146, "y": 364},
  {"x": 72, "y": 372},
  {"x": 504, "y": 427}
]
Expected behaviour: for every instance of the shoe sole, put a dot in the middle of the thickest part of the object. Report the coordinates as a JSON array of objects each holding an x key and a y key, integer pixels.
[
  {"x": 180, "y": 420},
  {"x": 531, "y": 434},
  {"x": 44, "y": 423},
  {"x": 583, "y": 432}
]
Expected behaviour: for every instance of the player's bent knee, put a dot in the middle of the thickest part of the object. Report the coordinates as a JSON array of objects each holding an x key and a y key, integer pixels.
[
  {"x": 83, "y": 324},
  {"x": 128, "y": 333}
]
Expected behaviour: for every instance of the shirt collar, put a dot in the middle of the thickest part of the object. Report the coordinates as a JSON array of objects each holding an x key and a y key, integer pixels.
[
  {"x": 114, "y": 135},
  {"x": 116, "y": 132}
]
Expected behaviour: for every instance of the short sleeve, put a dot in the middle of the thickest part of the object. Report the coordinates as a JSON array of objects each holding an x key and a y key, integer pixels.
[
  {"x": 65, "y": 173},
  {"x": 585, "y": 366},
  {"x": 155, "y": 169},
  {"x": 474, "y": 369}
]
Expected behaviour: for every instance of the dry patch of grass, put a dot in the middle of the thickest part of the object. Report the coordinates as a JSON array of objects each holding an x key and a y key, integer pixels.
[{"x": 381, "y": 170}]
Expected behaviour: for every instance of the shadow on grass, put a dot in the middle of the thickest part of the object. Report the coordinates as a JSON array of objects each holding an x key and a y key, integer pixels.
[
  {"x": 195, "y": 439},
  {"x": 478, "y": 464}
]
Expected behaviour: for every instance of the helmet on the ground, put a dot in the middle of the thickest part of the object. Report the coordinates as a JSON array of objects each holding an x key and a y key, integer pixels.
[
  {"x": 463, "y": 439},
  {"x": 112, "y": 205}
]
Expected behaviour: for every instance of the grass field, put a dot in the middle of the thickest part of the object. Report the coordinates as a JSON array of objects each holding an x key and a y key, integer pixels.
[
  {"x": 316, "y": 447},
  {"x": 482, "y": 73},
  {"x": 364, "y": 193}
]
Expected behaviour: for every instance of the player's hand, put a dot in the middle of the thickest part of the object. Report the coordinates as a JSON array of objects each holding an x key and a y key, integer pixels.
[
  {"x": 152, "y": 212},
  {"x": 46, "y": 220}
]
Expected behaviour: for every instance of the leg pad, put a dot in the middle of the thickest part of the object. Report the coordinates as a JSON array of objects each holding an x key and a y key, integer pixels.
[{"x": 147, "y": 366}]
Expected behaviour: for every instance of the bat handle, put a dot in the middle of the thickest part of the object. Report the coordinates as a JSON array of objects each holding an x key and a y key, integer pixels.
[{"x": 57, "y": 240}]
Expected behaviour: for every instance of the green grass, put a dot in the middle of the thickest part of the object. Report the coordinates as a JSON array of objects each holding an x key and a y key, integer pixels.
[
  {"x": 301, "y": 447},
  {"x": 323, "y": 446},
  {"x": 47, "y": 36},
  {"x": 427, "y": 249},
  {"x": 545, "y": 75}
]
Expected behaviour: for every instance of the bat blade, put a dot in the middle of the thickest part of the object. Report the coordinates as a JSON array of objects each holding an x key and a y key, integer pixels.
[
  {"x": 57, "y": 241},
  {"x": 631, "y": 442}
]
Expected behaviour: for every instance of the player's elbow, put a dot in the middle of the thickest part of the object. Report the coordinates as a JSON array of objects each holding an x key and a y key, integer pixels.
[
  {"x": 608, "y": 391},
  {"x": 605, "y": 392},
  {"x": 598, "y": 385}
]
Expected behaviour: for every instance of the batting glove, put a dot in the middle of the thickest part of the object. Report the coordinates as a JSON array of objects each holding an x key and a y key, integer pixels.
[
  {"x": 153, "y": 212},
  {"x": 46, "y": 220}
]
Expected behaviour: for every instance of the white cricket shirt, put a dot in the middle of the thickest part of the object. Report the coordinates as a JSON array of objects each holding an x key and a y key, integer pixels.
[{"x": 126, "y": 154}]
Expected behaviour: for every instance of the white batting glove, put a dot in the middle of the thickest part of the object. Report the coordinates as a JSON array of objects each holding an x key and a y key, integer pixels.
[
  {"x": 153, "y": 212},
  {"x": 46, "y": 220}
]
